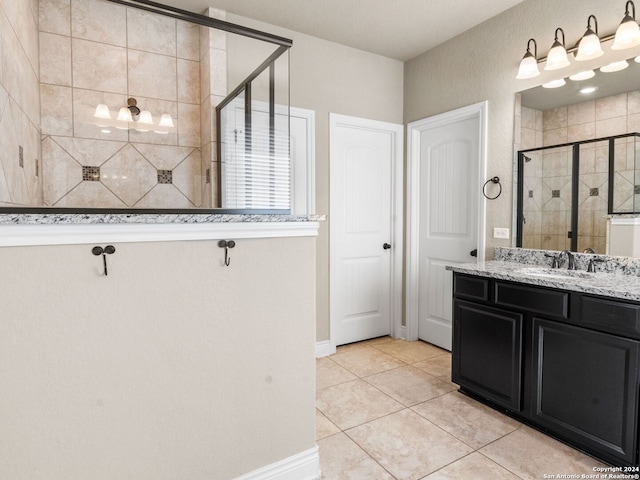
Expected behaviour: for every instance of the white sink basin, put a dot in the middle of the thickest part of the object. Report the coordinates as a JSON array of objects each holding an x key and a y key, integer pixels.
[{"x": 555, "y": 273}]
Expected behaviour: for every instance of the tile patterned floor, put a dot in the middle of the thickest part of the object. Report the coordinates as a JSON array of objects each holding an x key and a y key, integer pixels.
[{"x": 387, "y": 410}]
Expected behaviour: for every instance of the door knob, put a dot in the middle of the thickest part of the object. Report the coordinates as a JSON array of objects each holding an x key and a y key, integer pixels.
[
  {"x": 474, "y": 252},
  {"x": 386, "y": 246}
]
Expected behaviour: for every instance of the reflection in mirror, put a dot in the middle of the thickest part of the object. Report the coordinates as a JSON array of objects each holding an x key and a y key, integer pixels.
[
  {"x": 567, "y": 206},
  {"x": 565, "y": 198},
  {"x": 126, "y": 110}
]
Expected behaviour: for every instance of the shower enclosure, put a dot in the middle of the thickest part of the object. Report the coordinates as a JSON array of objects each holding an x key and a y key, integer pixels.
[{"x": 566, "y": 193}]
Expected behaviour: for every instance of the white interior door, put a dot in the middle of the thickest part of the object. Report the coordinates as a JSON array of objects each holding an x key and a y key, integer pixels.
[
  {"x": 448, "y": 211},
  {"x": 365, "y": 240}
]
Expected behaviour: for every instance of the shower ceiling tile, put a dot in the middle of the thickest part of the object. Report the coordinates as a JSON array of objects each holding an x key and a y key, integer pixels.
[
  {"x": 151, "y": 32},
  {"x": 187, "y": 178},
  {"x": 99, "y": 21},
  {"x": 97, "y": 66},
  {"x": 152, "y": 75},
  {"x": 129, "y": 175}
]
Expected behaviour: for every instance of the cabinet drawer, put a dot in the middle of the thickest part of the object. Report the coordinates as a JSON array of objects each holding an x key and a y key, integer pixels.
[
  {"x": 472, "y": 288},
  {"x": 611, "y": 316},
  {"x": 533, "y": 299}
]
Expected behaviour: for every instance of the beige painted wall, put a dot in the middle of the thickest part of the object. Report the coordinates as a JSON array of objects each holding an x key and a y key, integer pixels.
[
  {"x": 481, "y": 64},
  {"x": 172, "y": 367},
  {"x": 327, "y": 77}
]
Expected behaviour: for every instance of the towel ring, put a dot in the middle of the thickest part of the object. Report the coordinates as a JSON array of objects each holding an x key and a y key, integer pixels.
[{"x": 484, "y": 187}]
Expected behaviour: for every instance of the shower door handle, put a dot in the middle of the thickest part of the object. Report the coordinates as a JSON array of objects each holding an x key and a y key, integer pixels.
[
  {"x": 474, "y": 252},
  {"x": 386, "y": 246}
]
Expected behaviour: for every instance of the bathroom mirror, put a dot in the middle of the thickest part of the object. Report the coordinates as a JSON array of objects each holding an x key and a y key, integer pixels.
[
  {"x": 112, "y": 105},
  {"x": 565, "y": 199}
]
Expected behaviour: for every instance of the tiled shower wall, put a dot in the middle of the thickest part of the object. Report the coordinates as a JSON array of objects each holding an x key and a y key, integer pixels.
[
  {"x": 97, "y": 52},
  {"x": 20, "y": 164},
  {"x": 547, "y": 175}
]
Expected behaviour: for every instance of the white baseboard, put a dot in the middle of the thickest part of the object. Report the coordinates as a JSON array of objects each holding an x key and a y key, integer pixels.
[
  {"x": 325, "y": 348},
  {"x": 302, "y": 466}
]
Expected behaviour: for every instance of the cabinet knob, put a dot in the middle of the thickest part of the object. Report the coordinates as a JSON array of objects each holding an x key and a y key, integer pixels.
[{"x": 386, "y": 246}]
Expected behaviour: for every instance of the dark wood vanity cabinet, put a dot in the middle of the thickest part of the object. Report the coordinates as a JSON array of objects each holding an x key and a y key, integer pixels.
[{"x": 565, "y": 362}]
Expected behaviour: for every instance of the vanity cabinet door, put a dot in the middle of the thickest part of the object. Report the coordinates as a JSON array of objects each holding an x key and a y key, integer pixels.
[
  {"x": 487, "y": 352},
  {"x": 585, "y": 388}
]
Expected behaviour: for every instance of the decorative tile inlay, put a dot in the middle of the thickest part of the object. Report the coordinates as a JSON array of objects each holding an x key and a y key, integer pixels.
[
  {"x": 555, "y": 193},
  {"x": 530, "y": 193},
  {"x": 208, "y": 175},
  {"x": 165, "y": 176},
  {"x": 594, "y": 192},
  {"x": 91, "y": 174},
  {"x": 636, "y": 189}
]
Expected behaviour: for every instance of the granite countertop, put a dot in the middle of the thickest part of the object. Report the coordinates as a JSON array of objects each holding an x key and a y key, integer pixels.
[
  {"x": 615, "y": 285},
  {"x": 57, "y": 218}
]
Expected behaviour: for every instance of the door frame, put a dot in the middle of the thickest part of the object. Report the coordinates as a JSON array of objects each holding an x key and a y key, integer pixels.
[
  {"x": 414, "y": 132},
  {"x": 397, "y": 216}
]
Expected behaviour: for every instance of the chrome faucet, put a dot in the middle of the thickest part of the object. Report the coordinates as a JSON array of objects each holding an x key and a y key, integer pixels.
[{"x": 572, "y": 261}]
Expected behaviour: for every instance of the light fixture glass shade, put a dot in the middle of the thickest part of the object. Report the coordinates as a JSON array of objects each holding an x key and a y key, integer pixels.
[
  {"x": 555, "y": 83},
  {"x": 124, "y": 115},
  {"x": 627, "y": 34},
  {"x": 589, "y": 47},
  {"x": 145, "y": 121},
  {"x": 102, "y": 111},
  {"x": 586, "y": 75},
  {"x": 166, "y": 121},
  {"x": 614, "y": 67},
  {"x": 528, "y": 67},
  {"x": 637, "y": 59},
  {"x": 557, "y": 57}
]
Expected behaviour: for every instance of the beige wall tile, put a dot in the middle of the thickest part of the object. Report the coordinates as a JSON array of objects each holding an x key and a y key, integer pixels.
[
  {"x": 128, "y": 175},
  {"x": 61, "y": 173},
  {"x": 55, "y": 59},
  {"x": 188, "y": 81},
  {"x": 99, "y": 21},
  {"x": 152, "y": 75},
  {"x": 554, "y": 118},
  {"x": 529, "y": 118},
  {"x": 189, "y": 125},
  {"x": 581, "y": 113},
  {"x": 205, "y": 77},
  {"x": 151, "y": 32},
  {"x": 97, "y": 66},
  {"x": 218, "y": 76},
  {"x": 583, "y": 131},
  {"x": 89, "y": 152},
  {"x": 84, "y": 106},
  {"x": 188, "y": 40},
  {"x": 186, "y": 178},
  {"x": 555, "y": 137},
  {"x": 57, "y": 110},
  {"x": 633, "y": 123},
  {"x": 163, "y": 157},
  {"x": 55, "y": 16},
  {"x": 611, "y": 126},
  {"x": 92, "y": 195},
  {"x": 610, "y": 107},
  {"x": 633, "y": 102},
  {"x": 164, "y": 196}
]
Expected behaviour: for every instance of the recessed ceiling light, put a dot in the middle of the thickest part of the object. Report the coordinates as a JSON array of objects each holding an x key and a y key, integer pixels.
[
  {"x": 588, "y": 90},
  {"x": 586, "y": 75},
  {"x": 554, "y": 83},
  {"x": 614, "y": 67}
]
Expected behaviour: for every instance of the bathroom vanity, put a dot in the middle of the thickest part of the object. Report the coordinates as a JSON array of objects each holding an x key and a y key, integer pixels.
[{"x": 557, "y": 349}]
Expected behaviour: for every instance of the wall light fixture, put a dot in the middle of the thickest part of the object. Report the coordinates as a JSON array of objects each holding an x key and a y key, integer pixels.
[
  {"x": 131, "y": 117},
  {"x": 589, "y": 45},
  {"x": 529, "y": 64},
  {"x": 628, "y": 33},
  {"x": 557, "y": 57}
]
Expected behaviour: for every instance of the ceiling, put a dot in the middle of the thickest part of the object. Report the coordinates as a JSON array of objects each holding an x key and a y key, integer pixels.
[{"x": 400, "y": 29}]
